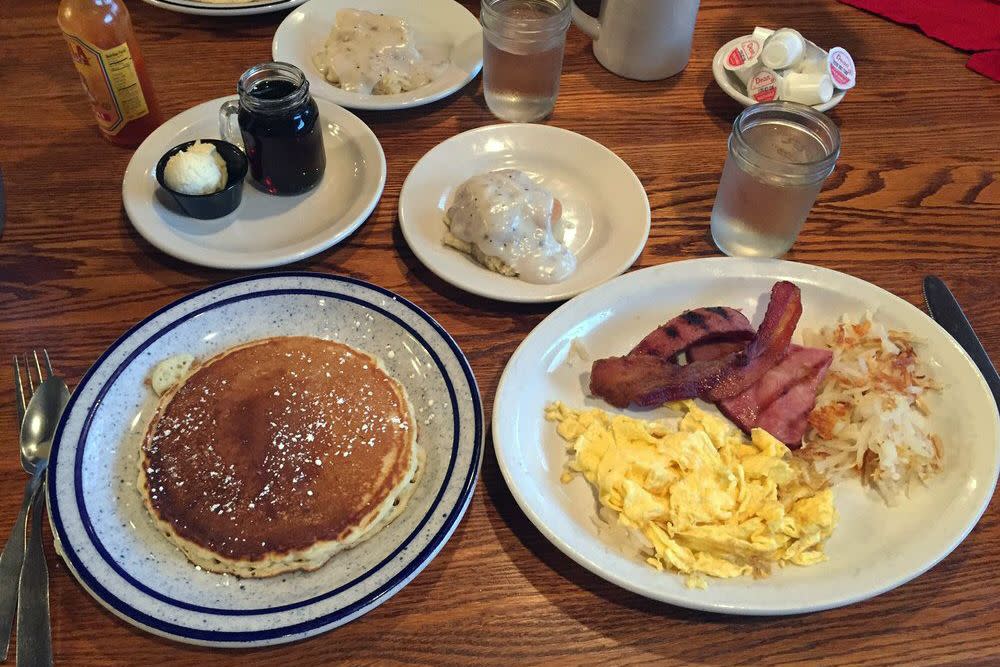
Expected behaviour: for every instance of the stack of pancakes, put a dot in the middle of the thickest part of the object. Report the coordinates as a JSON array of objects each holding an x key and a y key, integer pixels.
[{"x": 275, "y": 455}]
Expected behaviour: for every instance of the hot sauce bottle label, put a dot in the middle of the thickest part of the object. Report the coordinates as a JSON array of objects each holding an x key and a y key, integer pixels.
[{"x": 111, "y": 83}]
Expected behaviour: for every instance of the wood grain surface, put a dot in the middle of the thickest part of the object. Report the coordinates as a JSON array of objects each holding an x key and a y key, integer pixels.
[{"x": 916, "y": 191}]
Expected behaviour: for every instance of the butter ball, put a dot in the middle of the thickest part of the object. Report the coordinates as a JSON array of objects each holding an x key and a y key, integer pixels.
[{"x": 198, "y": 170}]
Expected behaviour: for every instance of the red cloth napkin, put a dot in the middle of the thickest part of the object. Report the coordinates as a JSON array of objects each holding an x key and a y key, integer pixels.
[{"x": 969, "y": 25}]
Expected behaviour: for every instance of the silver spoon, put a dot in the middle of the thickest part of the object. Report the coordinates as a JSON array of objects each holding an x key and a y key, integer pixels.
[
  {"x": 40, "y": 420},
  {"x": 34, "y": 631}
]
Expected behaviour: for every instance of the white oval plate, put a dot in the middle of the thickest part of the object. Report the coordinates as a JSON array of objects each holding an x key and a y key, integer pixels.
[
  {"x": 265, "y": 230},
  {"x": 444, "y": 26},
  {"x": 873, "y": 549},
  {"x": 605, "y": 208},
  {"x": 104, "y": 532},
  {"x": 224, "y": 8},
  {"x": 732, "y": 86}
]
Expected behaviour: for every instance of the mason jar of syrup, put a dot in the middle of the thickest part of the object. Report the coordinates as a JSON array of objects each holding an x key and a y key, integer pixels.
[{"x": 278, "y": 127}]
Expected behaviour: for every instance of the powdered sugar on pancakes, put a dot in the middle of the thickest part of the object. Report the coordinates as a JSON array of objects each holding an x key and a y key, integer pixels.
[{"x": 276, "y": 454}]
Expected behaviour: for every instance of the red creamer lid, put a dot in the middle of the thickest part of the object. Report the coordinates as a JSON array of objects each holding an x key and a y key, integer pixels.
[
  {"x": 744, "y": 52},
  {"x": 763, "y": 86},
  {"x": 841, "y": 67}
]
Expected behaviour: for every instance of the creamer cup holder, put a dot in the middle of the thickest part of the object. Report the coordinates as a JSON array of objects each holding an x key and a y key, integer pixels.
[{"x": 732, "y": 86}]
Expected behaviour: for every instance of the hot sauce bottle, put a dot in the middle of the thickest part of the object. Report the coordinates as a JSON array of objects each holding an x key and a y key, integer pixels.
[{"x": 104, "y": 49}]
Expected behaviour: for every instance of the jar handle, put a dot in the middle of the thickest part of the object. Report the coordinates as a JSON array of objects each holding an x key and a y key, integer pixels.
[{"x": 229, "y": 123}]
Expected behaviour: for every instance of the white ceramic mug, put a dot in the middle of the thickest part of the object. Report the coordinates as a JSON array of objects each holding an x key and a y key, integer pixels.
[{"x": 641, "y": 39}]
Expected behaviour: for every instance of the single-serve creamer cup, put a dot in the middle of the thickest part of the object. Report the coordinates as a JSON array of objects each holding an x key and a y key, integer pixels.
[
  {"x": 764, "y": 85},
  {"x": 783, "y": 50},
  {"x": 742, "y": 60},
  {"x": 837, "y": 64},
  {"x": 812, "y": 88},
  {"x": 841, "y": 68}
]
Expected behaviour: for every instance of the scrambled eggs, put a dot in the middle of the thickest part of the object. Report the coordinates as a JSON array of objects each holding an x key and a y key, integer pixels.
[{"x": 706, "y": 501}]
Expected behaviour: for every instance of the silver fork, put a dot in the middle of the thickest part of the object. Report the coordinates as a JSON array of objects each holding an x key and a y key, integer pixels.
[{"x": 12, "y": 558}]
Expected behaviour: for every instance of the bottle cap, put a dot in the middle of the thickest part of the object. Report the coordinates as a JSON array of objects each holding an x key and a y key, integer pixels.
[
  {"x": 783, "y": 49},
  {"x": 841, "y": 67},
  {"x": 763, "y": 85},
  {"x": 806, "y": 88}
]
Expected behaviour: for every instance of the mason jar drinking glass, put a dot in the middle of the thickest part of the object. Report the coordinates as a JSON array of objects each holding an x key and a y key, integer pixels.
[
  {"x": 523, "y": 44},
  {"x": 779, "y": 155}
]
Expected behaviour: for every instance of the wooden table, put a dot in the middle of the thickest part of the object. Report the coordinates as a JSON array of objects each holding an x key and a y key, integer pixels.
[{"x": 916, "y": 191}]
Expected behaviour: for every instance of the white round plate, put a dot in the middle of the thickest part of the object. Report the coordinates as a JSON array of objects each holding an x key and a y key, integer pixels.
[
  {"x": 445, "y": 28},
  {"x": 265, "y": 230},
  {"x": 224, "y": 8},
  {"x": 107, "y": 539},
  {"x": 873, "y": 549},
  {"x": 731, "y": 84},
  {"x": 605, "y": 210}
]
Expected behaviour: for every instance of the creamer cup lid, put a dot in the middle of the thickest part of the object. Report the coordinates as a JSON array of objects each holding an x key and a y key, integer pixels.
[
  {"x": 763, "y": 86},
  {"x": 841, "y": 67},
  {"x": 744, "y": 53}
]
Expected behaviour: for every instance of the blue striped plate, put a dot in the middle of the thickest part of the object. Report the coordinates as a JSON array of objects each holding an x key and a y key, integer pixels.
[{"x": 106, "y": 537}]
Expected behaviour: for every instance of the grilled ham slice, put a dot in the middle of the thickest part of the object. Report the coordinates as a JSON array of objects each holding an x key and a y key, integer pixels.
[{"x": 782, "y": 399}]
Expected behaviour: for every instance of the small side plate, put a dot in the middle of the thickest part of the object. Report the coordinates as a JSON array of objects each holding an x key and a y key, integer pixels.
[
  {"x": 224, "y": 8},
  {"x": 265, "y": 230},
  {"x": 605, "y": 209},
  {"x": 444, "y": 27}
]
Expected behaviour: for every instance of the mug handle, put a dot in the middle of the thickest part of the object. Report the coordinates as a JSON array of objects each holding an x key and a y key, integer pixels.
[
  {"x": 585, "y": 22},
  {"x": 229, "y": 123}
]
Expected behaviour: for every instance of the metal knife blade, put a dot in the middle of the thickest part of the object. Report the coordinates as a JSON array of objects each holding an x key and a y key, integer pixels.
[{"x": 945, "y": 310}]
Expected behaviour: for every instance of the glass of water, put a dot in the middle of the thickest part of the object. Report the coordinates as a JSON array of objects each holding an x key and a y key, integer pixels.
[
  {"x": 779, "y": 155},
  {"x": 523, "y": 44}
]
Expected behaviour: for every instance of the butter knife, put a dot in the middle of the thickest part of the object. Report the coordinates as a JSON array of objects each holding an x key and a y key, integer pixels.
[{"x": 945, "y": 310}]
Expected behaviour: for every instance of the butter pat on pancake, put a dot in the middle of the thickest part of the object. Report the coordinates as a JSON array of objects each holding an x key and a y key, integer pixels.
[
  {"x": 697, "y": 497},
  {"x": 169, "y": 372},
  {"x": 274, "y": 455}
]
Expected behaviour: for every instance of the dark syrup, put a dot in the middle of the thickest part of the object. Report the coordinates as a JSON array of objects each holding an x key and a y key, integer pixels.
[{"x": 285, "y": 147}]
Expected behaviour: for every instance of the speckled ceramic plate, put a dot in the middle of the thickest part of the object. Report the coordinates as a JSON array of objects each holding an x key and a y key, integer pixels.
[{"x": 106, "y": 537}]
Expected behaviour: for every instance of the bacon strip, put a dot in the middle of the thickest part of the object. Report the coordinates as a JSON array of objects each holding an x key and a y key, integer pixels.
[
  {"x": 648, "y": 380},
  {"x": 767, "y": 348},
  {"x": 693, "y": 327}
]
